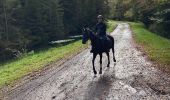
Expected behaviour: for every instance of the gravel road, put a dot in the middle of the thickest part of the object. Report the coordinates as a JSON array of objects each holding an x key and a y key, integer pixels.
[{"x": 132, "y": 77}]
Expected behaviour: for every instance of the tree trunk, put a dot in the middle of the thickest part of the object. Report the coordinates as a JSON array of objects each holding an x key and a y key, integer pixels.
[{"x": 6, "y": 20}]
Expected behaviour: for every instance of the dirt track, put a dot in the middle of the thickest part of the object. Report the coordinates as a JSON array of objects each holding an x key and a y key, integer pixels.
[{"x": 131, "y": 78}]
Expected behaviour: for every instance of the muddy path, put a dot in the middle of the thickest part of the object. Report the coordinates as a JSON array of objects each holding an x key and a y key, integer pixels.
[{"x": 131, "y": 78}]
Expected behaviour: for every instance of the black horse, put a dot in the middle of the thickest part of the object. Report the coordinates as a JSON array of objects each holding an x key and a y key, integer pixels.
[{"x": 99, "y": 46}]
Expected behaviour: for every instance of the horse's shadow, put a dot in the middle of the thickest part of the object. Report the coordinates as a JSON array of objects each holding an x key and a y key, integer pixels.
[{"x": 100, "y": 86}]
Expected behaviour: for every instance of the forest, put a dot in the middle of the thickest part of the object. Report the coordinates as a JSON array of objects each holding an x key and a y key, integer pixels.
[
  {"x": 155, "y": 14},
  {"x": 26, "y": 25}
]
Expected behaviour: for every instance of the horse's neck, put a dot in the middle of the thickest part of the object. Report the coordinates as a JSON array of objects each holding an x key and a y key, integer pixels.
[{"x": 93, "y": 38}]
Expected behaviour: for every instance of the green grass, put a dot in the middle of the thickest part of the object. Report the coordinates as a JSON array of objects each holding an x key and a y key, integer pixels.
[
  {"x": 16, "y": 69},
  {"x": 156, "y": 47},
  {"x": 111, "y": 25}
]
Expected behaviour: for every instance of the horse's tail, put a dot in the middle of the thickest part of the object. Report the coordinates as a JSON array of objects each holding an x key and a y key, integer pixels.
[
  {"x": 112, "y": 41},
  {"x": 112, "y": 47}
]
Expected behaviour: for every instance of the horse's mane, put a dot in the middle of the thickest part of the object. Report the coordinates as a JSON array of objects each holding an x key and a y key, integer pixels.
[{"x": 92, "y": 34}]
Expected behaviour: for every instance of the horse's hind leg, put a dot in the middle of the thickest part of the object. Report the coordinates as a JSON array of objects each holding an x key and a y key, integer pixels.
[
  {"x": 94, "y": 57},
  {"x": 108, "y": 56},
  {"x": 113, "y": 54},
  {"x": 100, "y": 64}
]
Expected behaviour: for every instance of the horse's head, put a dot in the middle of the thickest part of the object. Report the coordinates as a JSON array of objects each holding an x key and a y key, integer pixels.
[{"x": 86, "y": 35}]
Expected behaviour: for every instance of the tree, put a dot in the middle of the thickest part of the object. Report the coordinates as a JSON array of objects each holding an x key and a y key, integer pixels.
[
  {"x": 29, "y": 24},
  {"x": 161, "y": 20}
]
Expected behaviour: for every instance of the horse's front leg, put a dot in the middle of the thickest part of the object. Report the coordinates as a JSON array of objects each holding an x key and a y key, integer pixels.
[
  {"x": 100, "y": 64},
  {"x": 108, "y": 56},
  {"x": 93, "y": 61}
]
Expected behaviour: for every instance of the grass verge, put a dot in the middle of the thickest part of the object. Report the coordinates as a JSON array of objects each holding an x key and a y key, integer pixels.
[
  {"x": 111, "y": 25},
  {"x": 17, "y": 69},
  {"x": 12, "y": 71},
  {"x": 156, "y": 47}
]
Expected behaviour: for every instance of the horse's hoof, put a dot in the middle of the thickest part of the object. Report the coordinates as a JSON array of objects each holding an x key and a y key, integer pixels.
[
  {"x": 114, "y": 60},
  {"x": 108, "y": 64},
  {"x": 100, "y": 72},
  {"x": 95, "y": 72}
]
